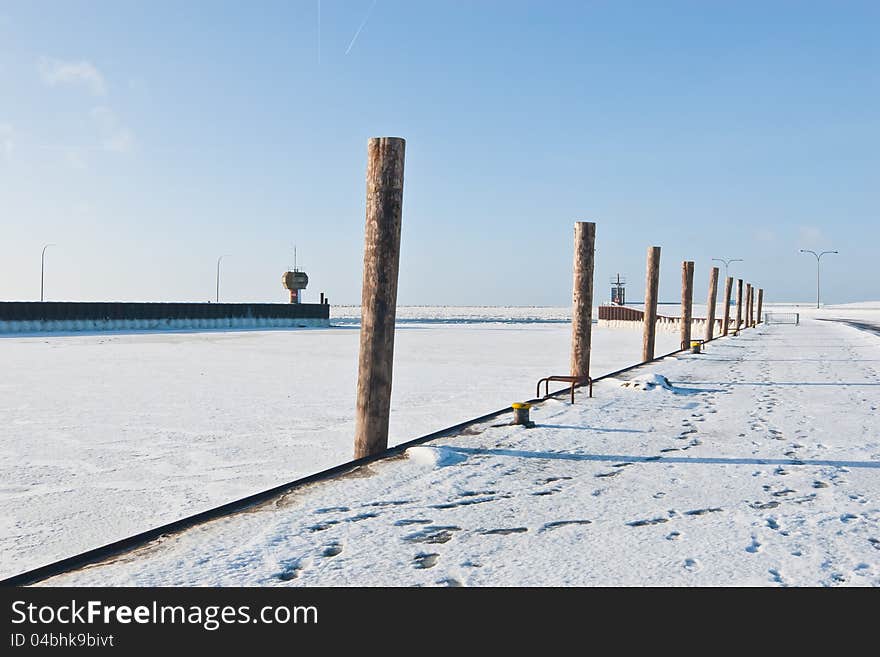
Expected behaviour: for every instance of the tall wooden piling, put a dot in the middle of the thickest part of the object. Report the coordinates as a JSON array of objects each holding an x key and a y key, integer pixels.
[
  {"x": 687, "y": 302},
  {"x": 754, "y": 303},
  {"x": 739, "y": 304},
  {"x": 728, "y": 289},
  {"x": 582, "y": 298},
  {"x": 652, "y": 282},
  {"x": 710, "y": 313},
  {"x": 748, "y": 306},
  {"x": 752, "y": 292},
  {"x": 385, "y": 159},
  {"x": 760, "y": 304}
]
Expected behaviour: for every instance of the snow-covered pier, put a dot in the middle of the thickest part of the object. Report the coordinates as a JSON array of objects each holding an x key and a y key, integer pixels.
[{"x": 754, "y": 463}]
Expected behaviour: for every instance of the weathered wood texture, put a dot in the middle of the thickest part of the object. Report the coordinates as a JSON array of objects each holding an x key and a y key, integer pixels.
[
  {"x": 760, "y": 304},
  {"x": 385, "y": 161},
  {"x": 687, "y": 302},
  {"x": 582, "y": 297},
  {"x": 728, "y": 289},
  {"x": 754, "y": 302},
  {"x": 748, "y": 306},
  {"x": 739, "y": 304},
  {"x": 713, "y": 294},
  {"x": 652, "y": 282}
]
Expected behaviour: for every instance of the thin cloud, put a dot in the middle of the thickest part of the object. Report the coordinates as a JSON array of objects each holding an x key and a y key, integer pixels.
[
  {"x": 115, "y": 137},
  {"x": 810, "y": 236},
  {"x": 363, "y": 23},
  {"x": 75, "y": 159},
  {"x": 7, "y": 145},
  {"x": 55, "y": 72},
  {"x": 765, "y": 235}
]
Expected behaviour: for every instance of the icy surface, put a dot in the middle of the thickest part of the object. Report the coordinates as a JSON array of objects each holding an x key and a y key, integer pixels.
[
  {"x": 761, "y": 467},
  {"x": 103, "y": 436}
]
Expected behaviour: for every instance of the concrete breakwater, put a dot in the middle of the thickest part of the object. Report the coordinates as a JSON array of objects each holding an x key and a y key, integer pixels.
[{"x": 49, "y": 316}]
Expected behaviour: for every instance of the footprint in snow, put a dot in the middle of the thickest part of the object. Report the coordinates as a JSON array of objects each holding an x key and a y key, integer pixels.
[
  {"x": 425, "y": 560},
  {"x": 648, "y": 521},
  {"x": 754, "y": 547},
  {"x": 673, "y": 536},
  {"x": 388, "y": 503},
  {"x": 450, "y": 582},
  {"x": 321, "y": 526},
  {"x": 331, "y": 550},
  {"x": 362, "y": 516},
  {"x": 290, "y": 569},
  {"x": 432, "y": 534},
  {"x": 702, "y": 512},
  {"x": 550, "y": 480},
  {"x": 613, "y": 473},
  {"x": 783, "y": 492},
  {"x": 563, "y": 523},
  {"x": 848, "y": 517},
  {"x": 692, "y": 565},
  {"x": 504, "y": 531}
]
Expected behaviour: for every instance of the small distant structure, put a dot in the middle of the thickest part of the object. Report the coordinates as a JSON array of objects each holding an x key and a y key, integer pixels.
[
  {"x": 618, "y": 290},
  {"x": 295, "y": 281}
]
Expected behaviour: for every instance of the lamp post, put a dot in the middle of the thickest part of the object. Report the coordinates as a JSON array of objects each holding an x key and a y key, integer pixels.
[
  {"x": 727, "y": 263},
  {"x": 818, "y": 261},
  {"x": 225, "y": 255},
  {"x": 43, "y": 268}
]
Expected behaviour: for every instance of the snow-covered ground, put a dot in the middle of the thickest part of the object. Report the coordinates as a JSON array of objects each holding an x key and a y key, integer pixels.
[
  {"x": 106, "y": 435},
  {"x": 758, "y": 463}
]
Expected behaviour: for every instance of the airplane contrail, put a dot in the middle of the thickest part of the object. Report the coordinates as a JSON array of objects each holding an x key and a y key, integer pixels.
[{"x": 363, "y": 23}]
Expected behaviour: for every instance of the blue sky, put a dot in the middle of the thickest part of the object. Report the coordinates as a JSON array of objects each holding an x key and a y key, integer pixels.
[{"x": 147, "y": 138}]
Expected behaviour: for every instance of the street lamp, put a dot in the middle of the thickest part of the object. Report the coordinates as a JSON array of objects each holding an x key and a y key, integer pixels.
[
  {"x": 727, "y": 263},
  {"x": 43, "y": 268},
  {"x": 818, "y": 260},
  {"x": 225, "y": 255}
]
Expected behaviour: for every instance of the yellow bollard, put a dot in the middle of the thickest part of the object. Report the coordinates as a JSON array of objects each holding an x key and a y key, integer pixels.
[
  {"x": 521, "y": 414},
  {"x": 696, "y": 346}
]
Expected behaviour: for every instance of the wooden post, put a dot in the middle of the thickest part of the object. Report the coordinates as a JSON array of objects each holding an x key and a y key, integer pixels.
[
  {"x": 748, "y": 306},
  {"x": 750, "y": 320},
  {"x": 728, "y": 289},
  {"x": 754, "y": 303},
  {"x": 752, "y": 290},
  {"x": 760, "y": 304},
  {"x": 385, "y": 157},
  {"x": 652, "y": 282},
  {"x": 582, "y": 298},
  {"x": 713, "y": 293},
  {"x": 687, "y": 302},
  {"x": 739, "y": 303}
]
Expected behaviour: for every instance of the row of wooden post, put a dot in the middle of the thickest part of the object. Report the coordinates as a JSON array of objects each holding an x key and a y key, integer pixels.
[
  {"x": 652, "y": 279},
  {"x": 385, "y": 164}
]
